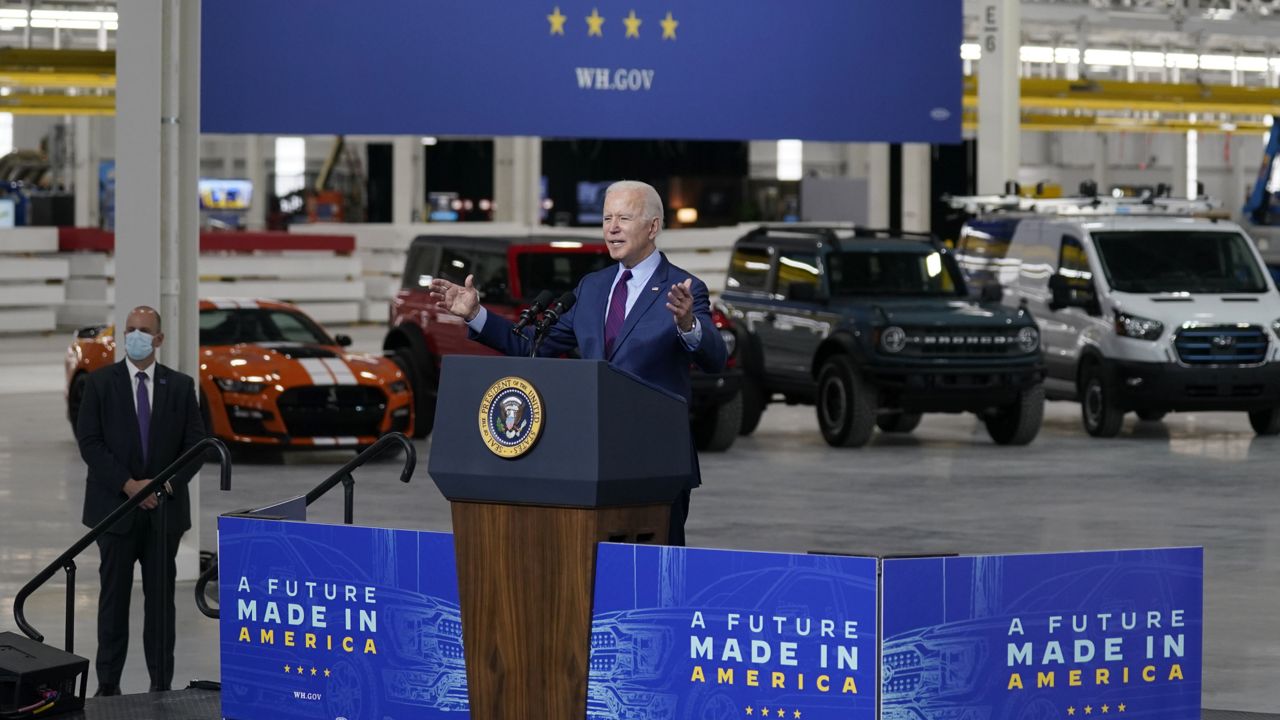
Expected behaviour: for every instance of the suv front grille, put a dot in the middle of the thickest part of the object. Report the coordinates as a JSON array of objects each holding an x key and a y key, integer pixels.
[
  {"x": 327, "y": 410},
  {"x": 960, "y": 342},
  {"x": 1221, "y": 345}
]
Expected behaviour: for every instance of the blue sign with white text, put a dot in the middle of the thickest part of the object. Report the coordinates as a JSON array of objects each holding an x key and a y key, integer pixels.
[
  {"x": 329, "y": 621},
  {"x": 837, "y": 70},
  {"x": 1064, "y": 636},
  {"x": 687, "y": 633}
]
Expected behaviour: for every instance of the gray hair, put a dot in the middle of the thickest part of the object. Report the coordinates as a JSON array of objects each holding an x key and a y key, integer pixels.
[{"x": 652, "y": 201}]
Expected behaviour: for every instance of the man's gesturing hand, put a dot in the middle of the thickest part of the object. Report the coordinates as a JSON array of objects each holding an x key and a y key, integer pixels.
[
  {"x": 680, "y": 303},
  {"x": 460, "y": 300}
]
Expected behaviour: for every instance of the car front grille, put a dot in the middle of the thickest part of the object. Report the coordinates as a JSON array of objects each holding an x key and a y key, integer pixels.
[
  {"x": 1221, "y": 345},
  {"x": 329, "y": 410},
  {"x": 960, "y": 342}
]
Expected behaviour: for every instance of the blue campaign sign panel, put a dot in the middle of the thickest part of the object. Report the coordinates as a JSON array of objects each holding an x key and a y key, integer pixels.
[
  {"x": 840, "y": 70},
  {"x": 329, "y": 621},
  {"x": 1070, "y": 636},
  {"x": 686, "y": 633}
]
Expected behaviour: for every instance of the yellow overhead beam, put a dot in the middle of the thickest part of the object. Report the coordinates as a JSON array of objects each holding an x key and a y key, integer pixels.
[
  {"x": 1042, "y": 94},
  {"x": 57, "y": 68},
  {"x": 1084, "y": 123},
  {"x": 33, "y": 104}
]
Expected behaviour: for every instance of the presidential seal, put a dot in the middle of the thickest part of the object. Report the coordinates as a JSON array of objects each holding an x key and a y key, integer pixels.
[{"x": 510, "y": 417}]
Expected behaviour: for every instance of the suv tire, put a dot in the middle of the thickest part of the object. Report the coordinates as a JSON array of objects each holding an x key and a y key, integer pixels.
[
  {"x": 1266, "y": 422},
  {"x": 753, "y": 404},
  {"x": 1098, "y": 409},
  {"x": 1151, "y": 415},
  {"x": 846, "y": 404},
  {"x": 899, "y": 422},
  {"x": 424, "y": 396},
  {"x": 715, "y": 429},
  {"x": 1019, "y": 423}
]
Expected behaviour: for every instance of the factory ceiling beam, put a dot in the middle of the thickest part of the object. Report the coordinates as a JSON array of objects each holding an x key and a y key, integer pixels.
[{"x": 1047, "y": 94}]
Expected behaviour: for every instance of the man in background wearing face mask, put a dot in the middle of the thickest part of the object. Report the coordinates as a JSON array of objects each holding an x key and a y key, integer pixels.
[{"x": 137, "y": 418}]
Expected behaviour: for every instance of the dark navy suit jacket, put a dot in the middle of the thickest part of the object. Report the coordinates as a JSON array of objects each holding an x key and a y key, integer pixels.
[
  {"x": 111, "y": 445},
  {"x": 649, "y": 346}
]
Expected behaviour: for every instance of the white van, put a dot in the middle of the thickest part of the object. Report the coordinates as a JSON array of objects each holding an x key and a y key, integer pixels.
[{"x": 1144, "y": 313}]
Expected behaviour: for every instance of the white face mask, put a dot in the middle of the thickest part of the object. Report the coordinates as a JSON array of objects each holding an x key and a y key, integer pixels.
[{"x": 138, "y": 345}]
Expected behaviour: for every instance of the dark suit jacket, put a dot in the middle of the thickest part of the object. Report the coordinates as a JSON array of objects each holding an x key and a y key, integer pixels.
[
  {"x": 649, "y": 345},
  {"x": 112, "y": 446}
]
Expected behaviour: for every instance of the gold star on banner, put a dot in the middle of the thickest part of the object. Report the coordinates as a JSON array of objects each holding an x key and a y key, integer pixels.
[
  {"x": 299, "y": 669},
  {"x": 669, "y": 27},
  {"x": 751, "y": 710},
  {"x": 1071, "y": 710},
  {"x": 595, "y": 24},
  {"x": 326, "y": 672},
  {"x": 556, "y": 18},
  {"x": 288, "y": 668},
  {"x": 796, "y": 714},
  {"x": 1106, "y": 709},
  {"x": 1120, "y": 707},
  {"x": 633, "y": 25},
  {"x": 1088, "y": 709},
  {"x": 313, "y": 672},
  {"x": 764, "y": 712}
]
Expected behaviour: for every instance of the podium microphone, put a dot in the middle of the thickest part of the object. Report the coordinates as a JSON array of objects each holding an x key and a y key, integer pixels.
[
  {"x": 550, "y": 318},
  {"x": 530, "y": 314}
]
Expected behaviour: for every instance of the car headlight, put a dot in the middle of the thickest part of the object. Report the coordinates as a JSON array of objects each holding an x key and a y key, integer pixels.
[
  {"x": 730, "y": 341},
  {"x": 232, "y": 385},
  {"x": 399, "y": 386},
  {"x": 1028, "y": 339},
  {"x": 1138, "y": 327},
  {"x": 893, "y": 339}
]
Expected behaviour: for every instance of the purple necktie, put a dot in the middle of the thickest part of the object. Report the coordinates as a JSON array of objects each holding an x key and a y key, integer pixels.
[
  {"x": 617, "y": 313},
  {"x": 144, "y": 415}
]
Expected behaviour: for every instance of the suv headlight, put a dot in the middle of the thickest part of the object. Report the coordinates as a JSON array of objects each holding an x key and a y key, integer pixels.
[
  {"x": 893, "y": 339},
  {"x": 1028, "y": 339},
  {"x": 730, "y": 341},
  {"x": 232, "y": 385},
  {"x": 1138, "y": 327}
]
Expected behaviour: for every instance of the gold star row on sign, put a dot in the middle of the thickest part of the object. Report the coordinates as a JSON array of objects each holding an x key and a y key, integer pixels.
[
  {"x": 1103, "y": 709},
  {"x": 774, "y": 712},
  {"x": 595, "y": 24},
  {"x": 300, "y": 670}
]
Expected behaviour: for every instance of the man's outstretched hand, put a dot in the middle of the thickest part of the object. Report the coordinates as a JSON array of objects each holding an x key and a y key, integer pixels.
[
  {"x": 460, "y": 300},
  {"x": 680, "y": 303}
]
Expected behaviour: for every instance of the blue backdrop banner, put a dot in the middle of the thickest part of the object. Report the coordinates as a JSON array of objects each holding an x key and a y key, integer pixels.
[
  {"x": 686, "y": 633},
  {"x": 329, "y": 621},
  {"x": 1071, "y": 636},
  {"x": 842, "y": 70}
]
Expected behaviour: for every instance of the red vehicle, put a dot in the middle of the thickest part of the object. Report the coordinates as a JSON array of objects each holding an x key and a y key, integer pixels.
[
  {"x": 271, "y": 377},
  {"x": 509, "y": 272}
]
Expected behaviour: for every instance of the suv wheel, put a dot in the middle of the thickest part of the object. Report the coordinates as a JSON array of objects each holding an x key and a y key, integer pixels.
[
  {"x": 1102, "y": 416},
  {"x": 754, "y": 401},
  {"x": 846, "y": 404},
  {"x": 1265, "y": 422},
  {"x": 899, "y": 422},
  {"x": 1019, "y": 423},
  {"x": 715, "y": 429},
  {"x": 424, "y": 396}
]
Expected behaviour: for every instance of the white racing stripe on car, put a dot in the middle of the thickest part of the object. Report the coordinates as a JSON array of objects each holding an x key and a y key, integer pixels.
[
  {"x": 341, "y": 373},
  {"x": 319, "y": 372},
  {"x": 347, "y": 440},
  {"x": 226, "y": 304},
  {"x": 324, "y": 441}
]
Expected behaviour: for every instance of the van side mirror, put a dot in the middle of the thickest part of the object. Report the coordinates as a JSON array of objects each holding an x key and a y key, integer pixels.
[
  {"x": 802, "y": 292},
  {"x": 991, "y": 293},
  {"x": 342, "y": 340},
  {"x": 1065, "y": 294}
]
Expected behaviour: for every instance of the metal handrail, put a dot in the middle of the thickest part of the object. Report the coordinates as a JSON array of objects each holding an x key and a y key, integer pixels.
[
  {"x": 66, "y": 561},
  {"x": 344, "y": 476}
]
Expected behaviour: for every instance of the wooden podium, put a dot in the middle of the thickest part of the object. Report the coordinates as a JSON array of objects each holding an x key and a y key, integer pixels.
[{"x": 610, "y": 454}]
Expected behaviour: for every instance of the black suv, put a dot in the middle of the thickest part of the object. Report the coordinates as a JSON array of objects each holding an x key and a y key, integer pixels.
[
  {"x": 509, "y": 272},
  {"x": 875, "y": 329}
]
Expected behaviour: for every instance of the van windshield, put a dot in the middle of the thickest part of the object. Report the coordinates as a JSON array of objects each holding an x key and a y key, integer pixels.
[
  {"x": 1179, "y": 261},
  {"x": 892, "y": 273}
]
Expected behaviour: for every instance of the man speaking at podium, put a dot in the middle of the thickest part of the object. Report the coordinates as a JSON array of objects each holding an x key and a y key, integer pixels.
[{"x": 616, "y": 316}]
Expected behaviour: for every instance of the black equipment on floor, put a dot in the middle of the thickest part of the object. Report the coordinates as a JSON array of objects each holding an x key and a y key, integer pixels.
[{"x": 37, "y": 680}]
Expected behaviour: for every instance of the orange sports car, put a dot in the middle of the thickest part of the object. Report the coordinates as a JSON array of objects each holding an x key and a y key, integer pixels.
[{"x": 270, "y": 376}]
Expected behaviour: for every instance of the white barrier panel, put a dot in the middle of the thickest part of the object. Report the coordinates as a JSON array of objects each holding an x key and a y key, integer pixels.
[
  {"x": 15, "y": 320},
  {"x": 293, "y": 291},
  {"x": 29, "y": 240}
]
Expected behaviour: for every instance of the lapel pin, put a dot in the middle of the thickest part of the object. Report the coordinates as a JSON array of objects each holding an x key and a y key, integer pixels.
[{"x": 655, "y": 289}]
